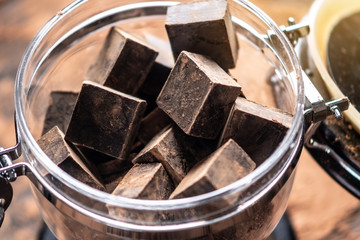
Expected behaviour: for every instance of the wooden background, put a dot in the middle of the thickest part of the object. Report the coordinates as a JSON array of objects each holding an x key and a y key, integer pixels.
[{"x": 318, "y": 207}]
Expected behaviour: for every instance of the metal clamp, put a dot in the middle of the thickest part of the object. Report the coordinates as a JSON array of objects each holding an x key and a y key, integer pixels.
[
  {"x": 8, "y": 155},
  {"x": 295, "y": 30},
  {"x": 316, "y": 109}
]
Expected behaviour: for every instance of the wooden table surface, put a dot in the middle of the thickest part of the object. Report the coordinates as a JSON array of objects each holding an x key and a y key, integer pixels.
[{"x": 319, "y": 208}]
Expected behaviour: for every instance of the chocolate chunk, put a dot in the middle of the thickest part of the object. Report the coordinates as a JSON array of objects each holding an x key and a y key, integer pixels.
[
  {"x": 113, "y": 180},
  {"x": 113, "y": 166},
  {"x": 205, "y": 28},
  {"x": 60, "y": 152},
  {"x": 136, "y": 147},
  {"x": 94, "y": 156},
  {"x": 105, "y": 120},
  {"x": 59, "y": 111},
  {"x": 226, "y": 165},
  {"x": 256, "y": 128},
  {"x": 152, "y": 124},
  {"x": 123, "y": 62},
  {"x": 105, "y": 164},
  {"x": 145, "y": 181},
  {"x": 166, "y": 149},
  {"x": 176, "y": 151},
  {"x": 153, "y": 84},
  {"x": 198, "y": 95}
]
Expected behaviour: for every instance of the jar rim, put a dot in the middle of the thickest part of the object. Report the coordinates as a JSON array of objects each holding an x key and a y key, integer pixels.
[{"x": 101, "y": 196}]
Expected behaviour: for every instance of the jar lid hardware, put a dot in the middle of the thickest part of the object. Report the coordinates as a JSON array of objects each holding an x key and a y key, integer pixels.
[
  {"x": 5, "y": 161},
  {"x": 294, "y": 30},
  {"x": 316, "y": 109},
  {"x": 8, "y": 155}
]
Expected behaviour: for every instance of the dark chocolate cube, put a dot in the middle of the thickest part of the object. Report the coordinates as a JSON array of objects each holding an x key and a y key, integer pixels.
[
  {"x": 106, "y": 165},
  {"x": 203, "y": 27},
  {"x": 93, "y": 156},
  {"x": 153, "y": 84},
  {"x": 166, "y": 149},
  {"x": 145, "y": 181},
  {"x": 60, "y": 152},
  {"x": 59, "y": 111},
  {"x": 123, "y": 62},
  {"x": 152, "y": 124},
  {"x": 105, "y": 120},
  {"x": 198, "y": 95},
  {"x": 256, "y": 128},
  {"x": 176, "y": 151},
  {"x": 113, "y": 180},
  {"x": 113, "y": 166},
  {"x": 226, "y": 165}
]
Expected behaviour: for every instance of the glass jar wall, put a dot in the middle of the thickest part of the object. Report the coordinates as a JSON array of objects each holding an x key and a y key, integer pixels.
[{"x": 58, "y": 58}]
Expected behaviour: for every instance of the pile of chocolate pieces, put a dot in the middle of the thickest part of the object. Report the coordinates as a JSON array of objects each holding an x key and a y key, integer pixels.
[{"x": 141, "y": 129}]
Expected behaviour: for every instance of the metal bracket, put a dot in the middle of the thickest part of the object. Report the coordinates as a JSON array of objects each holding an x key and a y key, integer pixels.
[
  {"x": 20, "y": 169},
  {"x": 8, "y": 155},
  {"x": 320, "y": 111},
  {"x": 295, "y": 30},
  {"x": 316, "y": 109}
]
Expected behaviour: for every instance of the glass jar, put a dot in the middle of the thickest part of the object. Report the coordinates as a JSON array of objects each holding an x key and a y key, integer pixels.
[{"x": 58, "y": 58}]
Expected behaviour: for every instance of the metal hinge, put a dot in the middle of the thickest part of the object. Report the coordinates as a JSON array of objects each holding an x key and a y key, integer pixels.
[
  {"x": 316, "y": 109},
  {"x": 294, "y": 30},
  {"x": 8, "y": 155}
]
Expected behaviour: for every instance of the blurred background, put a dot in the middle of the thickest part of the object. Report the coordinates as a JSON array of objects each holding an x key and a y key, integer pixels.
[{"x": 318, "y": 208}]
